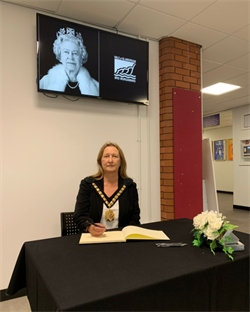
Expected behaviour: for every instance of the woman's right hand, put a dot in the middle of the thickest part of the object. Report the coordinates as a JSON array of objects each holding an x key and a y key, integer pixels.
[{"x": 96, "y": 230}]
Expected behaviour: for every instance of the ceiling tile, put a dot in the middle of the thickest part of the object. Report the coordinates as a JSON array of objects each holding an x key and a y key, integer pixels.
[
  {"x": 209, "y": 109},
  {"x": 105, "y": 12},
  {"x": 226, "y": 101},
  {"x": 244, "y": 33},
  {"x": 226, "y": 50},
  {"x": 239, "y": 93},
  {"x": 185, "y": 9},
  {"x": 146, "y": 22},
  {"x": 198, "y": 34},
  {"x": 242, "y": 80},
  {"x": 78, "y": 1},
  {"x": 209, "y": 65},
  {"x": 230, "y": 96},
  {"x": 206, "y": 96},
  {"x": 47, "y": 5},
  {"x": 225, "y": 16},
  {"x": 241, "y": 62},
  {"x": 221, "y": 74},
  {"x": 234, "y": 103},
  {"x": 211, "y": 101}
]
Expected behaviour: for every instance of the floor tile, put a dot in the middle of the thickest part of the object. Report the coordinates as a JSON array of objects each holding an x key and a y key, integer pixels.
[{"x": 15, "y": 305}]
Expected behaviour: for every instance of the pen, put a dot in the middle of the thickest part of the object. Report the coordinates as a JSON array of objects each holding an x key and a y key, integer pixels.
[{"x": 92, "y": 223}]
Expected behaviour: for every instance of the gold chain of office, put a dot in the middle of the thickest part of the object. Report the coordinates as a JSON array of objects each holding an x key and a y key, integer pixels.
[
  {"x": 109, "y": 214},
  {"x": 112, "y": 202}
]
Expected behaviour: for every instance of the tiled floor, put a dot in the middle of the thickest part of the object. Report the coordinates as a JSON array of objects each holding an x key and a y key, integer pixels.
[
  {"x": 235, "y": 216},
  {"x": 15, "y": 305}
]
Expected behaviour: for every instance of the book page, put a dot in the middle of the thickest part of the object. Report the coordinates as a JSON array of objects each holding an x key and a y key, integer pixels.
[
  {"x": 136, "y": 232},
  {"x": 106, "y": 237},
  {"x": 129, "y": 232}
]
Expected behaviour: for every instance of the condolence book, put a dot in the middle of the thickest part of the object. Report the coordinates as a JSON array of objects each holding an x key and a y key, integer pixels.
[{"x": 127, "y": 233}]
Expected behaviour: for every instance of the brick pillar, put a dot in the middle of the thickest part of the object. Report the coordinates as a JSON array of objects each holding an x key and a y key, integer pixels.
[{"x": 179, "y": 64}]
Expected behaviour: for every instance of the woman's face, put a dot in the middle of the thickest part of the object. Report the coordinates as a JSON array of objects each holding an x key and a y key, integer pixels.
[
  {"x": 110, "y": 160},
  {"x": 71, "y": 57}
]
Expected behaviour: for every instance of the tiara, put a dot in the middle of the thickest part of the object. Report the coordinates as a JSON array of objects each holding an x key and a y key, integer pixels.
[{"x": 70, "y": 32}]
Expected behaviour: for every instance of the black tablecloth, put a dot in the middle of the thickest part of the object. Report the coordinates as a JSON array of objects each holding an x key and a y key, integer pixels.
[{"x": 61, "y": 275}]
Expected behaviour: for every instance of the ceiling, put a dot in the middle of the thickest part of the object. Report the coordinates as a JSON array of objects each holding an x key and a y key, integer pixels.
[{"x": 222, "y": 27}]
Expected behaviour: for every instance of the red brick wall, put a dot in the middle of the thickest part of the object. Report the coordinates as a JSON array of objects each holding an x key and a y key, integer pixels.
[{"x": 179, "y": 64}]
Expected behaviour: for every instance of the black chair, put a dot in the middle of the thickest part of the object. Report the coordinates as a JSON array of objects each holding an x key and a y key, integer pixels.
[{"x": 68, "y": 226}]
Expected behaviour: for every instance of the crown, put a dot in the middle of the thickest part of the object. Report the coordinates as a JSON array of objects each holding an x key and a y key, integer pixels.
[{"x": 70, "y": 32}]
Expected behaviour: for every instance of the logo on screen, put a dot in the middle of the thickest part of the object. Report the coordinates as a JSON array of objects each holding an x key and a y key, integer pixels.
[{"x": 123, "y": 69}]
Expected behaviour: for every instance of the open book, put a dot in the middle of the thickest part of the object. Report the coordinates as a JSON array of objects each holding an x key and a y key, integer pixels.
[{"x": 128, "y": 232}]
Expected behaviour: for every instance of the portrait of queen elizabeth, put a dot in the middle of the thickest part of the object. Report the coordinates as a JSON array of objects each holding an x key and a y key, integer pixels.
[{"x": 70, "y": 76}]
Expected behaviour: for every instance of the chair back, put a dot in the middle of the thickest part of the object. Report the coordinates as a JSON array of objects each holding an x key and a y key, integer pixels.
[{"x": 68, "y": 226}]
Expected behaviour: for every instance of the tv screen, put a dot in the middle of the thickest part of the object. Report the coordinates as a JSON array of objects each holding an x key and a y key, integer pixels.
[
  {"x": 76, "y": 60},
  {"x": 124, "y": 68},
  {"x": 68, "y": 57}
]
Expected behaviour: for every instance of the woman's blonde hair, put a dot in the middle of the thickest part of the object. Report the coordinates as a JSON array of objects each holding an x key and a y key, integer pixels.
[{"x": 123, "y": 165}]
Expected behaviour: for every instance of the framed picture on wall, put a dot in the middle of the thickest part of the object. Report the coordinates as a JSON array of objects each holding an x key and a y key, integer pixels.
[
  {"x": 220, "y": 150},
  {"x": 230, "y": 149}
]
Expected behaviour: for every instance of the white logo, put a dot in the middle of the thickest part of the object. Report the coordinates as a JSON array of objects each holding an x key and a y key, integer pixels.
[{"x": 123, "y": 69}]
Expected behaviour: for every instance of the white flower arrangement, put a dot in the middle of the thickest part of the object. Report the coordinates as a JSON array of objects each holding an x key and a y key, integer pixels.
[{"x": 209, "y": 228}]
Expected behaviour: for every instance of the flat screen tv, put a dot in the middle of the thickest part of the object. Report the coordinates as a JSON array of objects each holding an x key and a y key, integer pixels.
[{"x": 76, "y": 60}]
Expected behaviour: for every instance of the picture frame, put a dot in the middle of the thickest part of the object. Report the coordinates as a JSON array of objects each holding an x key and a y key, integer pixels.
[
  {"x": 220, "y": 150},
  {"x": 230, "y": 149}
]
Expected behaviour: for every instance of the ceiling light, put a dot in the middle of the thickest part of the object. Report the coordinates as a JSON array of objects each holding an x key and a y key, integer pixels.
[{"x": 219, "y": 88}]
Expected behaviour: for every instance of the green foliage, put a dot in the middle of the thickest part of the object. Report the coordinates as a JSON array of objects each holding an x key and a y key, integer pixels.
[
  {"x": 230, "y": 250},
  {"x": 228, "y": 239},
  {"x": 213, "y": 246},
  {"x": 196, "y": 243},
  {"x": 228, "y": 226},
  {"x": 200, "y": 240},
  {"x": 222, "y": 242}
]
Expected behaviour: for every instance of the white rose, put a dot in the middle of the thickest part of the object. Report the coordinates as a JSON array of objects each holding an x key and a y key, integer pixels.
[
  {"x": 212, "y": 216},
  {"x": 220, "y": 216},
  {"x": 216, "y": 224},
  {"x": 200, "y": 220},
  {"x": 209, "y": 233},
  {"x": 196, "y": 222},
  {"x": 215, "y": 220}
]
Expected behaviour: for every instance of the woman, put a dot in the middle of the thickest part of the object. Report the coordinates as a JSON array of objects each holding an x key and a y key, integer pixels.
[
  {"x": 70, "y": 76},
  {"x": 108, "y": 199}
]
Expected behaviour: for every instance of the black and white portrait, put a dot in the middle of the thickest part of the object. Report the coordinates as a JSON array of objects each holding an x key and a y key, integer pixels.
[{"x": 69, "y": 73}]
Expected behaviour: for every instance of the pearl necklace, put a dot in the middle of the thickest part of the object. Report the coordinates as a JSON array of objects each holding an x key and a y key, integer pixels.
[{"x": 74, "y": 86}]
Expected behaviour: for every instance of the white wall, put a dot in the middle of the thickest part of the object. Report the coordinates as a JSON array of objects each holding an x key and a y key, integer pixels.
[
  {"x": 49, "y": 145},
  {"x": 223, "y": 170},
  {"x": 241, "y": 172}
]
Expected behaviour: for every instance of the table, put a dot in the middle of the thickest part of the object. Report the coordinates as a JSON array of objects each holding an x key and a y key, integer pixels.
[{"x": 61, "y": 275}]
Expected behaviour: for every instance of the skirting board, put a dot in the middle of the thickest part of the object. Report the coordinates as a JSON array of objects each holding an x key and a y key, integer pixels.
[
  {"x": 227, "y": 192},
  {"x": 241, "y": 207}
]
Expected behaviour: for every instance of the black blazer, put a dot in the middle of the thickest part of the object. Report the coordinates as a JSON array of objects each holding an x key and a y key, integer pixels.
[{"x": 89, "y": 204}]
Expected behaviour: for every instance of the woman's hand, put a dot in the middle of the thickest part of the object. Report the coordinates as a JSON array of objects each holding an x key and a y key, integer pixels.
[{"x": 96, "y": 230}]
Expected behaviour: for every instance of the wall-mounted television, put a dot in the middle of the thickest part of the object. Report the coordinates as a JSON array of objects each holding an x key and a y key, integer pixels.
[{"x": 77, "y": 60}]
